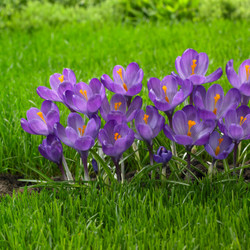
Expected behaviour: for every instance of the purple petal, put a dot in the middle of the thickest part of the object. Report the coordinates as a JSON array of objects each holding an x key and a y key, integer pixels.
[
  {"x": 199, "y": 97},
  {"x": 52, "y": 118},
  {"x": 107, "y": 82},
  {"x": 116, "y": 76},
  {"x": 231, "y": 118},
  {"x": 54, "y": 81},
  {"x": 94, "y": 103},
  {"x": 245, "y": 89},
  {"x": 38, "y": 126},
  {"x": 206, "y": 115},
  {"x": 25, "y": 126},
  {"x": 105, "y": 109},
  {"x": 184, "y": 139},
  {"x": 75, "y": 121},
  {"x": 121, "y": 145},
  {"x": 145, "y": 132},
  {"x": 191, "y": 113},
  {"x": 134, "y": 90},
  {"x": 131, "y": 74},
  {"x": 69, "y": 76},
  {"x": 172, "y": 87},
  {"x": 63, "y": 87},
  {"x": 214, "y": 140},
  {"x": 178, "y": 67},
  {"x": 79, "y": 104},
  {"x": 60, "y": 133},
  {"x": 133, "y": 108},
  {"x": 71, "y": 134},
  {"x": 48, "y": 94},
  {"x": 158, "y": 159},
  {"x": 116, "y": 100},
  {"x": 68, "y": 97},
  {"x": 186, "y": 61},
  {"x": 95, "y": 86},
  {"x": 236, "y": 132},
  {"x": 197, "y": 79},
  {"x": 91, "y": 129},
  {"x": 84, "y": 143},
  {"x": 202, "y": 64},
  {"x": 242, "y": 71},
  {"x": 214, "y": 76},
  {"x": 180, "y": 123},
  {"x": 214, "y": 90},
  {"x": 210, "y": 150},
  {"x": 81, "y": 87},
  {"x": 232, "y": 76},
  {"x": 163, "y": 105},
  {"x": 155, "y": 85},
  {"x": 169, "y": 133},
  {"x": 32, "y": 114},
  {"x": 243, "y": 110},
  {"x": 48, "y": 106}
]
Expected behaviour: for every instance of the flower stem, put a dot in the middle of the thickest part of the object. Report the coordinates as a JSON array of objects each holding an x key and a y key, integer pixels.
[
  {"x": 68, "y": 173},
  {"x": 84, "y": 156},
  {"x": 62, "y": 171},
  {"x": 170, "y": 119},
  {"x": 211, "y": 169},
  {"x": 117, "y": 169},
  {"x": 235, "y": 157},
  {"x": 188, "y": 148}
]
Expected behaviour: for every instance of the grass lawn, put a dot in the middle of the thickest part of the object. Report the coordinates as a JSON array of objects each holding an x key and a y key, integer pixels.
[{"x": 205, "y": 216}]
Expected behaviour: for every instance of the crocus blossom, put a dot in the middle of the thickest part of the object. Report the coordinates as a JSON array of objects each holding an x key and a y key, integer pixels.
[
  {"x": 213, "y": 104},
  {"x": 59, "y": 83},
  {"x": 148, "y": 124},
  {"x": 188, "y": 130},
  {"x": 236, "y": 124},
  {"x": 165, "y": 94},
  {"x": 127, "y": 82},
  {"x": 41, "y": 122},
  {"x": 51, "y": 149},
  {"x": 117, "y": 109},
  {"x": 241, "y": 81},
  {"x": 84, "y": 98},
  {"x": 193, "y": 66},
  {"x": 219, "y": 147},
  {"x": 163, "y": 155}
]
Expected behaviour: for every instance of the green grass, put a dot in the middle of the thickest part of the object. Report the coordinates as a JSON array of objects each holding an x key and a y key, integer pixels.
[
  {"x": 206, "y": 216},
  {"x": 28, "y": 59}
]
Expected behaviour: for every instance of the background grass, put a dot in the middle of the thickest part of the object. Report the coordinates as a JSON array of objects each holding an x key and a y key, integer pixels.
[
  {"x": 206, "y": 216},
  {"x": 29, "y": 58}
]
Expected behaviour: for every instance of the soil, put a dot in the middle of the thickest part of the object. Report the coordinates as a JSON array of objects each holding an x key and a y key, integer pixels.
[{"x": 9, "y": 183}]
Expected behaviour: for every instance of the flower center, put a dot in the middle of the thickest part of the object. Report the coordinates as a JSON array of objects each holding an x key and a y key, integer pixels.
[
  {"x": 117, "y": 105},
  {"x": 242, "y": 120},
  {"x": 117, "y": 136},
  {"x": 84, "y": 93},
  {"x": 247, "y": 67},
  {"x": 216, "y": 99},
  {"x": 82, "y": 130},
  {"x": 190, "y": 125},
  {"x": 165, "y": 91},
  {"x": 40, "y": 114},
  {"x": 145, "y": 118},
  {"x": 119, "y": 72},
  {"x": 217, "y": 150},
  {"x": 193, "y": 66},
  {"x": 61, "y": 78}
]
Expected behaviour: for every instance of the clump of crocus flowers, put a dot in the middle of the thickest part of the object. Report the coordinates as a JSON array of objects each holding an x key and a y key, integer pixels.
[{"x": 213, "y": 119}]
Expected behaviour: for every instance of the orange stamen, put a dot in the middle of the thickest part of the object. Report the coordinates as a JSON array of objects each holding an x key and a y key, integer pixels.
[
  {"x": 117, "y": 136},
  {"x": 82, "y": 130},
  {"x": 165, "y": 91},
  {"x": 117, "y": 105},
  {"x": 216, "y": 99},
  {"x": 217, "y": 150},
  {"x": 247, "y": 67},
  {"x": 84, "y": 93},
  {"x": 242, "y": 120},
  {"x": 190, "y": 125},
  {"x": 61, "y": 78},
  {"x": 145, "y": 118},
  {"x": 40, "y": 114},
  {"x": 193, "y": 66},
  {"x": 119, "y": 72}
]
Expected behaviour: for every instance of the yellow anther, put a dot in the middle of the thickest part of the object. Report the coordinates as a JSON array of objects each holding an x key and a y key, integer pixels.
[
  {"x": 216, "y": 99},
  {"x": 40, "y": 114},
  {"x": 217, "y": 150},
  {"x": 165, "y": 91},
  {"x": 247, "y": 67},
  {"x": 82, "y": 130},
  {"x": 193, "y": 66},
  {"x": 117, "y": 105},
  {"x": 84, "y": 93},
  {"x": 61, "y": 78},
  {"x": 117, "y": 136},
  {"x": 242, "y": 120},
  {"x": 190, "y": 125},
  {"x": 119, "y": 72},
  {"x": 145, "y": 118}
]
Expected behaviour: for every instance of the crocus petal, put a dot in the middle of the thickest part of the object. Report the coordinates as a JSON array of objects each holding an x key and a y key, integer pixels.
[
  {"x": 60, "y": 133},
  {"x": 134, "y": 90},
  {"x": 145, "y": 132},
  {"x": 232, "y": 76},
  {"x": 155, "y": 85},
  {"x": 213, "y": 91},
  {"x": 158, "y": 159},
  {"x": 116, "y": 76},
  {"x": 157, "y": 129},
  {"x": 68, "y": 97},
  {"x": 75, "y": 121},
  {"x": 71, "y": 134},
  {"x": 172, "y": 86},
  {"x": 162, "y": 105},
  {"x": 178, "y": 67},
  {"x": 48, "y": 94},
  {"x": 38, "y": 126},
  {"x": 236, "y": 132},
  {"x": 121, "y": 145},
  {"x": 191, "y": 113},
  {"x": 52, "y": 118},
  {"x": 105, "y": 108},
  {"x": 231, "y": 117},
  {"x": 184, "y": 139},
  {"x": 210, "y": 150},
  {"x": 168, "y": 132},
  {"x": 32, "y": 114},
  {"x": 54, "y": 81},
  {"x": 118, "y": 89},
  {"x": 131, "y": 73},
  {"x": 118, "y": 99},
  {"x": 70, "y": 76},
  {"x": 63, "y": 87},
  {"x": 214, "y": 76},
  {"x": 245, "y": 89},
  {"x": 186, "y": 61},
  {"x": 214, "y": 140},
  {"x": 84, "y": 143},
  {"x": 97, "y": 87},
  {"x": 94, "y": 103},
  {"x": 91, "y": 129},
  {"x": 243, "y": 110},
  {"x": 242, "y": 71},
  {"x": 202, "y": 64},
  {"x": 25, "y": 126},
  {"x": 199, "y": 97},
  {"x": 79, "y": 104},
  {"x": 133, "y": 108},
  {"x": 197, "y": 79},
  {"x": 206, "y": 115},
  {"x": 180, "y": 123},
  {"x": 107, "y": 82}
]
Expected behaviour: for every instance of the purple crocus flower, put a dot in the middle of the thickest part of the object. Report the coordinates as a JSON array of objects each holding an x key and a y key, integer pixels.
[
  {"x": 116, "y": 139},
  {"x": 236, "y": 124},
  {"x": 51, "y": 149},
  {"x": 188, "y": 130},
  {"x": 219, "y": 147},
  {"x": 59, "y": 84},
  {"x": 79, "y": 135},
  {"x": 117, "y": 109},
  {"x": 242, "y": 80},
  {"x": 148, "y": 124},
  {"x": 212, "y": 104},
  {"x": 193, "y": 66},
  {"x": 84, "y": 98},
  {"x": 41, "y": 122},
  {"x": 163, "y": 155},
  {"x": 165, "y": 94},
  {"x": 128, "y": 83}
]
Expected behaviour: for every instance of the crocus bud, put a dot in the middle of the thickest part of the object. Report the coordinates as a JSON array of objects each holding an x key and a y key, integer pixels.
[
  {"x": 95, "y": 166},
  {"x": 163, "y": 155}
]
